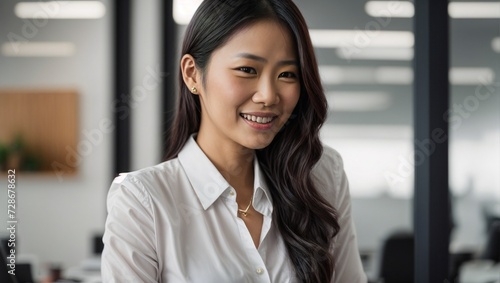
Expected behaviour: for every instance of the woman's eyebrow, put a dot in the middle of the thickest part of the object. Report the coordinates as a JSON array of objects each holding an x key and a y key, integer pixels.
[{"x": 264, "y": 60}]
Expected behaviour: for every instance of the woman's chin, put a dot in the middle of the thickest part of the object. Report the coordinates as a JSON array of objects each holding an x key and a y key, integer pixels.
[{"x": 259, "y": 142}]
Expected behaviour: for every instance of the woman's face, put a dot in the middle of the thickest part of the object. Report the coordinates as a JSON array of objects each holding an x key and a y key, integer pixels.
[{"x": 252, "y": 86}]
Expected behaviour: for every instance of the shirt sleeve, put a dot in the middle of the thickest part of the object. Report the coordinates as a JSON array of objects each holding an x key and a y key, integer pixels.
[
  {"x": 129, "y": 239},
  {"x": 332, "y": 181},
  {"x": 348, "y": 267}
]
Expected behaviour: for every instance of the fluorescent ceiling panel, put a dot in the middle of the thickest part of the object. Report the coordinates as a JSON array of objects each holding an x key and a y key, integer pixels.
[
  {"x": 346, "y": 75},
  {"x": 474, "y": 10},
  {"x": 495, "y": 44},
  {"x": 324, "y": 38},
  {"x": 39, "y": 49},
  {"x": 358, "y": 101},
  {"x": 400, "y": 75},
  {"x": 60, "y": 10},
  {"x": 390, "y": 9},
  {"x": 471, "y": 76},
  {"x": 457, "y": 10},
  {"x": 336, "y": 75},
  {"x": 367, "y": 131},
  {"x": 401, "y": 54},
  {"x": 394, "y": 75},
  {"x": 183, "y": 10},
  {"x": 366, "y": 75}
]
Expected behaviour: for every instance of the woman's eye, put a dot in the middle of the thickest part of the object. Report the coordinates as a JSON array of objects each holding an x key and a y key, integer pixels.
[
  {"x": 287, "y": 75},
  {"x": 247, "y": 70}
]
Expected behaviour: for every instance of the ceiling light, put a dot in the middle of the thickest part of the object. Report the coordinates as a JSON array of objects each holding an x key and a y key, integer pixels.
[
  {"x": 184, "y": 10},
  {"x": 386, "y": 75},
  {"x": 358, "y": 101},
  {"x": 359, "y": 39},
  {"x": 366, "y": 75},
  {"x": 457, "y": 10},
  {"x": 471, "y": 76},
  {"x": 457, "y": 75},
  {"x": 39, "y": 49},
  {"x": 346, "y": 75},
  {"x": 474, "y": 10},
  {"x": 403, "y": 54},
  {"x": 495, "y": 44},
  {"x": 390, "y": 9},
  {"x": 394, "y": 75},
  {"x": 60, "y": 10},
  {"x": 367, "y": 131}
]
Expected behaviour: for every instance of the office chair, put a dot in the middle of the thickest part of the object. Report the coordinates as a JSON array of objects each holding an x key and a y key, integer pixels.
[
  {"x": 4, "y": 242},
  {"x": 23, "y": 270},
  {"x": 396, "y": 264},
  {"x": 97, "y": 244},
  {"x": 4, "y": 275},
  {"x": 492, "y": 249}
]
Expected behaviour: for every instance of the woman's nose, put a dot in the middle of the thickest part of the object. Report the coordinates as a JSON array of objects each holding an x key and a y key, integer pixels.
[{"x": 267, "y": 94}]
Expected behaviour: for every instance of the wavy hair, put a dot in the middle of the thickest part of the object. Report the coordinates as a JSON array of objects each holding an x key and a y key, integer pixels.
[{"x": 306, "y": 221}]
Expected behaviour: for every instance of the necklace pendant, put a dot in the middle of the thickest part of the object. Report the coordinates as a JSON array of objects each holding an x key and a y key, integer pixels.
[{"x": 244, "y": 212}]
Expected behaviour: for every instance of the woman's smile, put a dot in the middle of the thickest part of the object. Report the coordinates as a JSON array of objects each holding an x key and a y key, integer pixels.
[{"x": 259, "y": 122}]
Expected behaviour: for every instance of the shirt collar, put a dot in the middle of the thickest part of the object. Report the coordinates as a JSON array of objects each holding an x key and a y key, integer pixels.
[
  {"x": 263, "y": 201},
  {"x": 209, "y": 184}
]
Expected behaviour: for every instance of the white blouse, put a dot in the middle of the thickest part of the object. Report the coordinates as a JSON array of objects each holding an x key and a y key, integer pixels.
[{"x": 177, "y": 222}]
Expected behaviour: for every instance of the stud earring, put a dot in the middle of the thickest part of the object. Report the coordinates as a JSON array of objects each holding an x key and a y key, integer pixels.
[{"x": 194, "y": 89}]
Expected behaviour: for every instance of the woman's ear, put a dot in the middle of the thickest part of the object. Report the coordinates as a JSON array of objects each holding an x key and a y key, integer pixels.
[{"x": 190, "y": 74}]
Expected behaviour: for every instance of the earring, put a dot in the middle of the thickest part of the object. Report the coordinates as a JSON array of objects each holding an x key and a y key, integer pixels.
[{"x": 194, "y": 89}]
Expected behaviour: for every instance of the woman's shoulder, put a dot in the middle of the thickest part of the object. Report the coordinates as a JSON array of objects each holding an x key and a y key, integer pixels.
[
  {"x": 330, "y": 162},
  {"x": 328, "y": 174},
  {"x": 163, "y": 170},
  {"x": 141, "y": 182}
]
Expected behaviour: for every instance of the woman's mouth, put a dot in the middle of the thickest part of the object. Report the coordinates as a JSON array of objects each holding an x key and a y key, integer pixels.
[
  {"x": 257, "y": 119},
  {"x": 261, "y": 123}
]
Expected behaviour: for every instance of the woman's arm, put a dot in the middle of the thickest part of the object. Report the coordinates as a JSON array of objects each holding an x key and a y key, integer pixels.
[
  {"x": 129, "y": 253},
  {"x": 332, "y": 181},
  {"x": 348, "y": 267}
]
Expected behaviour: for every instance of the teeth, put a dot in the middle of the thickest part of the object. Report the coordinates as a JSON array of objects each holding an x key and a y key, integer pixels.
[{"x": 260, "y": 120}]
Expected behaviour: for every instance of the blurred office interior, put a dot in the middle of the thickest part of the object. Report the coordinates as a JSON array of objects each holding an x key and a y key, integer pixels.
[{"x": 365, "y": 51}]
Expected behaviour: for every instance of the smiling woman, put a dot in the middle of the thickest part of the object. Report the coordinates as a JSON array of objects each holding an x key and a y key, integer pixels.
[
  {"x": 249, "y": 90},
  {"x": 247, "y": 192}
]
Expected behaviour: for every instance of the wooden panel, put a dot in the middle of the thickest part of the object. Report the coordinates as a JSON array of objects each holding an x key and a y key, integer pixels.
[{"x": 48, "y": 122}]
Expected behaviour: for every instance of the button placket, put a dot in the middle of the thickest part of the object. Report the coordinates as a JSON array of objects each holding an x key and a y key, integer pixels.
[{"x": 256, "y": 262}]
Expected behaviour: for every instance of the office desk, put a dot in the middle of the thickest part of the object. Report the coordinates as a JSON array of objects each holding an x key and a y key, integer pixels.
[
  {"x": 89, "y": 271},
  {"x": 480, "y": 271}
]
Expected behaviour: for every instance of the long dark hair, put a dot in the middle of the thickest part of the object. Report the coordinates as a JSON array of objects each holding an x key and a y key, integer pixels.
[{"x": 306, "y": 221}]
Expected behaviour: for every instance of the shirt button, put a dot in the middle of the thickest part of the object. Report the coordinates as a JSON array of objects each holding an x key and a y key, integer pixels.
[
  {"x": 231, "y": 192},
  {"x": 259, "y": 270}
]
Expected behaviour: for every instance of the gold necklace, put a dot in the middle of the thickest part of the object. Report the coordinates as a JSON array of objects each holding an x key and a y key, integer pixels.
[{"x": 244, "y": 212}]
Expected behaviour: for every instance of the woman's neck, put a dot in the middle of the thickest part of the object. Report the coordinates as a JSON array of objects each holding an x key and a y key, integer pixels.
[{"x": 234, "y": 162}]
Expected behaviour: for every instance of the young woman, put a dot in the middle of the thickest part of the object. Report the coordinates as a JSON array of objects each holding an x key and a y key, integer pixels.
[{"x": 247, "y": 193}]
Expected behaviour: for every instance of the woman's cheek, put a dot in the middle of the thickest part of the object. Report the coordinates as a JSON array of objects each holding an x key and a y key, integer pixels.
[
  {"x": 291, "y": 96},
  {"x": 239, "y": 89}
]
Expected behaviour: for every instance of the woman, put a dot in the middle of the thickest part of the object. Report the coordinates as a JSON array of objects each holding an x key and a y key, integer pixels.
[{"x": 247, "y": 192}]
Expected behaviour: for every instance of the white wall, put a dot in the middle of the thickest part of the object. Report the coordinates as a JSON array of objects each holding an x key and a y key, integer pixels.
[{"x": 58, "y": 217}]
